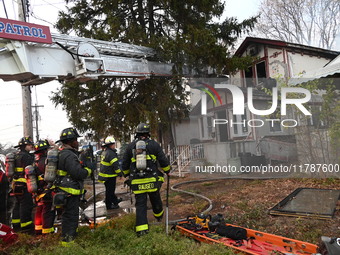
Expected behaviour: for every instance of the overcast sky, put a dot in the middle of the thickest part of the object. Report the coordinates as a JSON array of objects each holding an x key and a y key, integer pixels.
[{"x": 52, "y": 119}]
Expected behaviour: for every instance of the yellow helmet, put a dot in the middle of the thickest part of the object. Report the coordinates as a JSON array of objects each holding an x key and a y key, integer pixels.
[{"x": 109, "y": 140}]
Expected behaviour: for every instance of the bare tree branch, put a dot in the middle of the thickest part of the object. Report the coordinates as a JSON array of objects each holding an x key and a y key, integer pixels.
[{"x": 310, "y": 22}]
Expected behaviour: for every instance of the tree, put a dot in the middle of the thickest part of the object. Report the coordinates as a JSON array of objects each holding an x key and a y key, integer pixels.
[
  {"x": 181, "y": 32},
  {"x": 309, "y": 22}
]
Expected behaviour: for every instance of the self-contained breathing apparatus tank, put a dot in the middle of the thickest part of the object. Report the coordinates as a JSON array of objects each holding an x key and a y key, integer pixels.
[
  {"x": 140, "y": 157},
  {"x": 10, "y": 164},
  {"x": 31, "y": 178},
  {"x": 52, "y": 165}
]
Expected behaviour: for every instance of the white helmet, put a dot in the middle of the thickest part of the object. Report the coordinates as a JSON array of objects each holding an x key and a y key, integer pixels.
[{"x": 109, "y": 140}]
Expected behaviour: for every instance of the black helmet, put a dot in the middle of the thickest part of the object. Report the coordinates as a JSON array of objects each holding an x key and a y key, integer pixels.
[
  {"x": 143, "y": 128},
  {"x": 41, "y": 145},
  {"x": 24, "y": 141},
  {"x": 68, "y": 134}
]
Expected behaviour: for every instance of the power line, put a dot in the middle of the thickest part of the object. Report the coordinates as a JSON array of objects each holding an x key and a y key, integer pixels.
[
  {"x": 36, "y": 17},
  {"x": 47, "y": 3},
  {"x": 53, "y": 4},
  {"x": 10, "y": 127}
]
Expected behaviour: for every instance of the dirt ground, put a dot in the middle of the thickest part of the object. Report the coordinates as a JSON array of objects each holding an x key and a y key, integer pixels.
[
  {"x": 247, "y": 203},
  {"x": 242, "y": 202}
]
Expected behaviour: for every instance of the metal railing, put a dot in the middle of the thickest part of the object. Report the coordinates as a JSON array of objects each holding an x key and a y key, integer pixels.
[{"x": 182, "y": 155}]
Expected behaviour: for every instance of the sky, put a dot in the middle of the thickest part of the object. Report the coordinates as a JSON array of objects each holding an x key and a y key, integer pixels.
[{"x": 54, "y": 119}]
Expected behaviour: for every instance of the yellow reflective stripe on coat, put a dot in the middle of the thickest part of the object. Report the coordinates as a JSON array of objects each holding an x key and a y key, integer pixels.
[
  {"x": 118, "y": 171},
  {"x": 40, "y": 196},
  {"x": 107, "y": 175},
  {"x": 126, "y": 172},
  {"x": 40, "y": 178},
  {"x": 148, "y": 157},
  {"x": 143, "y": 181},
  {"x": 15, "y": 221},
  {"x": 108, "y": 163},
  {"x": 25, "y": 224},
  {"x": 61, "y": 173},
  {"x": 72, "y": 191},
  {"x": 167, "y": 168},
  {"x": 89, "y": 171},
  {"x": 20, "y": 180},
  {"x": 19, "y": 169},
  {"x": 160, "y": 178},
  {"x": 142, "y": 227}
]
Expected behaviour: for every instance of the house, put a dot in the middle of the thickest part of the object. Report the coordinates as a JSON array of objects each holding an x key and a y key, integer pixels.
[
  {"x": 225, "y": 135},
  {"x": 318, "y": 140}
]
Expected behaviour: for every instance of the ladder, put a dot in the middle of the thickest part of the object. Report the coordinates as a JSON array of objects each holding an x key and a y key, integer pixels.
[{"x": 76, "y": 58}]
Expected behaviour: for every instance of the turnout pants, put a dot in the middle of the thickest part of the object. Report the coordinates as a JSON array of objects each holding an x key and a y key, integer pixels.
[
  {"x": 141, "y": 209},
  {"x": 22, "y": 213},
  {"x": 44, "y": 216},
  {"x": 110, "y": 187},
  {"x": 70, "y": 218}
]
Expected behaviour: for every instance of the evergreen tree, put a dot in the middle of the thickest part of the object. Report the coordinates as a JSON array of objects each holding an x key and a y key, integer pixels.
[{"x": 183, "y": 33}]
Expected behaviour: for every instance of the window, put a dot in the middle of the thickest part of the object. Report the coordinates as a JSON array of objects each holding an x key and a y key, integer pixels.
[
  {"x": 240, "y": 125},
  {"x": 275, "y": 124},
  {"x": 248, "y": 74},
  {"x": 222, "y": 129},
  {"x": 316, "y": 119},
  {"x": 260, "y": 75},
  {"x": 206, "y": 127}
]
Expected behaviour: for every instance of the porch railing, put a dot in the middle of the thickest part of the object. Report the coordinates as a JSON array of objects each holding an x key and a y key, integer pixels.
[{"x": 182, "y": 155}]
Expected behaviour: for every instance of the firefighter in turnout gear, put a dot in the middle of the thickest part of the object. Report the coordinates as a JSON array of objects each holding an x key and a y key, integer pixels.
[
  {"x": 140, "y": 164},
  {"x": 23, "y": 204},
  {"x": 44, "y": 214},
  {"x": 109, "y": 170},
  {"x": 70, "y": 184}
]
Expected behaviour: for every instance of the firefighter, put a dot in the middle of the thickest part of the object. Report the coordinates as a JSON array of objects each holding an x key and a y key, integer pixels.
[
  {"x": 44, "y": 214},
  {"x": 109, "y": 170},
  {"x": 140, "y": 164},
  {"x": 23, "y": 203},
  {"x": 3, "y": 196},
  {"x": 70, "y": 183}
]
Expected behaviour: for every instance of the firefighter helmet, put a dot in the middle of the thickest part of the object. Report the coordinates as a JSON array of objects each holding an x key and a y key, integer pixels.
[
  {"x": 68, "y": 134},
  {"x": 41, "y": 145},
  {"x": 24, "y": 141},
  {"x": 143, "y": 128},
  {"x": 109, "y": 140}
]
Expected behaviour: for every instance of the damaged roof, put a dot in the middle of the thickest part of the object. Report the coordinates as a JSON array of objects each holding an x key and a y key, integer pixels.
[{"x": 282, "y": 44}]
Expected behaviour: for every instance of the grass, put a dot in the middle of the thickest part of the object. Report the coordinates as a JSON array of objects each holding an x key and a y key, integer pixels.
[
  {"x": 245, "y": 203},
  {"x": 117, "y": 237}
]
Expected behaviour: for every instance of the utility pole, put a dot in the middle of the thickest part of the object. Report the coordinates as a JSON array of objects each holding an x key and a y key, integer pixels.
[
  {"x": 25, "y": 90},
  {"x": 36, "y": 115}
]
